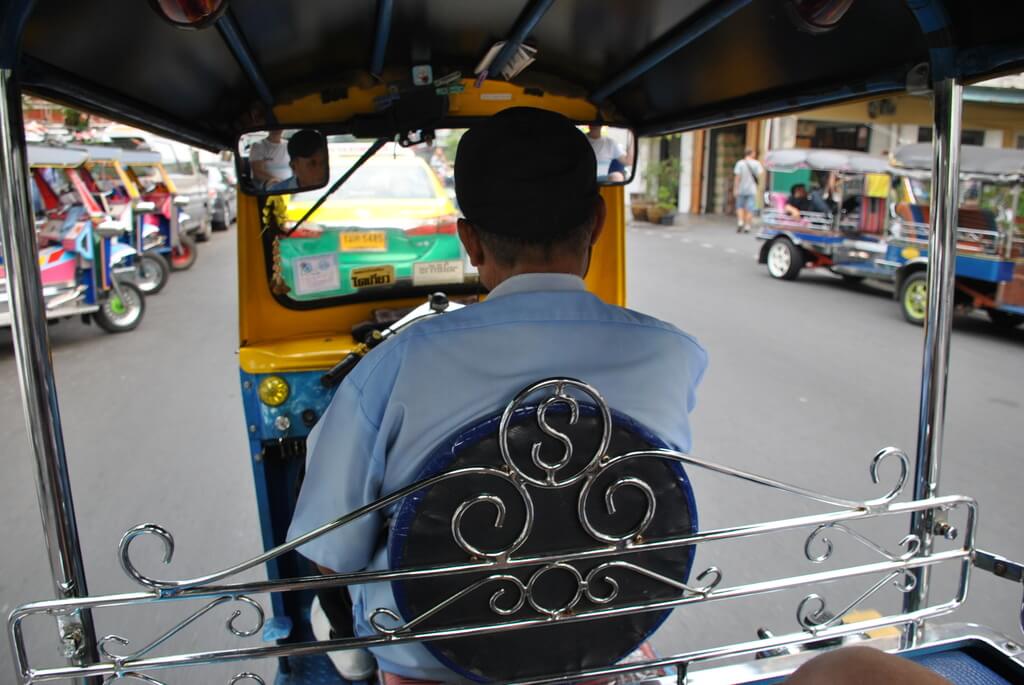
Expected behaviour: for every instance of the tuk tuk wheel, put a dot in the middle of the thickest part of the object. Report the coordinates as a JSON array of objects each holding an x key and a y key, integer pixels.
[
  {"x": 784, "y": 260},
  {"x": 1006, "y": 321},
  {"x": 914, "y": 297},
  {"x": 184, "y": 256},
  {"x": 152, "y": 274},
  {"x": 119, "y": 313}
]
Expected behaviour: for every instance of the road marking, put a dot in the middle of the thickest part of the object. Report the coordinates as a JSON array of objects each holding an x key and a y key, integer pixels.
[
  {"x": 707, "y": 245},
  {"x": 730, "y": 250},
  {"x": 666, "y": 235},
  {"x": 687, "y": 240}
]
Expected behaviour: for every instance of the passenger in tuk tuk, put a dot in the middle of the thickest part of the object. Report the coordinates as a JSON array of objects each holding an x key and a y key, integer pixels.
[
  {"x": 307, "y": 158},
  {"x": 798, "y": 201},
  {"x": 612, "y": 159},
  {"x": 269, "y": 159},
  {"x": 526, "y": 183}
]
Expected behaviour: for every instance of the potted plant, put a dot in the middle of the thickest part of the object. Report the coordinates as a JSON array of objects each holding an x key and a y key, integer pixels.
[{"x": 666, "y": 173}]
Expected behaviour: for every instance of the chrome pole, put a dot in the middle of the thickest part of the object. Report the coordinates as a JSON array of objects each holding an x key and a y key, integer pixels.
[
  {"x": 35, "y": 373},
  {"x": 947, "y": 105}
]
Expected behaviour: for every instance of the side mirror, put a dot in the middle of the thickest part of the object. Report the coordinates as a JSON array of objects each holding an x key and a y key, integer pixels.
[{"x": 279, "y": 161}]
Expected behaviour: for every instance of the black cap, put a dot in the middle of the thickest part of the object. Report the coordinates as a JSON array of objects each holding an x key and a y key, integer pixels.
[{"x": 526, "y": 173}]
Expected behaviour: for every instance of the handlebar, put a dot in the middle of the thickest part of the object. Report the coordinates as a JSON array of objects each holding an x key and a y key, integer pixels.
[
  {"x": 338, "y": 372},
  {"x": 437, "y": 303}
]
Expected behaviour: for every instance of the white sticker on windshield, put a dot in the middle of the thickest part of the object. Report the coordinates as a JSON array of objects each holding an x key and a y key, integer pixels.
[
  {"x": 316, "y": 274},
  {"x": 437, "y": 273}
]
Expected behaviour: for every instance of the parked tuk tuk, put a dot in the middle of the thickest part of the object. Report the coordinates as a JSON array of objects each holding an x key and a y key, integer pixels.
[
  {"x": 121, "y": 197},
  {"x": 989, "y": 241},
  {"x": 843, "y": 222},
  {"x": 506, "y": 566},
  {"x": 84, "y": 268},
  {"x": 164, "y": 208}
]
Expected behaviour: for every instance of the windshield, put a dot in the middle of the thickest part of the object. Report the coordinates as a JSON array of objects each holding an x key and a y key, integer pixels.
[{"x": 388, "y": 231}]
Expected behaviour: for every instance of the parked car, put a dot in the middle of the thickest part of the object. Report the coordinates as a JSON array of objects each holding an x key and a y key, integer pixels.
[
  {"x": 223, "y": 196},
  {"x": 182, "y": 164}
]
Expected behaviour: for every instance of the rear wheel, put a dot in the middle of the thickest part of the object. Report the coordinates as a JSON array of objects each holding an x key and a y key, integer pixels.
[
  {"x": 784, "y": 260},
  {"x": 119, "y": 313},
  {"x": 152, "y": 274},
  {"x": 1004, "y": 320},
  {"x": 184, "y": 256},
  {"x": 914, "y": 297}
]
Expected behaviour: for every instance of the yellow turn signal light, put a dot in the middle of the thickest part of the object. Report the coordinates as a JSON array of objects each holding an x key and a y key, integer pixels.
[{"x": 273, "y": 391}]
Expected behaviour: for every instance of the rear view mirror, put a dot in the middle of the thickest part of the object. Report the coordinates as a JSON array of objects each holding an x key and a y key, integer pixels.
[{"x": 278, "y": 161}]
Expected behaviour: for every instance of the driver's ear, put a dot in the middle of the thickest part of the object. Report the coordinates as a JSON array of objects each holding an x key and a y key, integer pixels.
[{"x": 471, "y": 241}]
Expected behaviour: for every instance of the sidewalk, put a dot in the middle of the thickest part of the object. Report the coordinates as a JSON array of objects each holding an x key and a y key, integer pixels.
[{"x": 691, "y": 222}]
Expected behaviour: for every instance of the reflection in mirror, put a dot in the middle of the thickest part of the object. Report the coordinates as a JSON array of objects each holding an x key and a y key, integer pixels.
[
  {"x": 283, "y": 161},
  {"x": 390, "y": 229},
  {"x": 615, "y": 149}
]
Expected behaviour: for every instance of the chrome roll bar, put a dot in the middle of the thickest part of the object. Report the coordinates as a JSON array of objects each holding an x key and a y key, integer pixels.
[
  {"x": 35, "y": 374},
  {"x": 947, "y": 112}
]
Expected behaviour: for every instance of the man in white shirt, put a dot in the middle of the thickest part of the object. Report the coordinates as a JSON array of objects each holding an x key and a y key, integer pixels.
[
  {"x": 269, "y": 160},
  {"x": 612, "y": 159},
  {"x": 746, "y": 177}
]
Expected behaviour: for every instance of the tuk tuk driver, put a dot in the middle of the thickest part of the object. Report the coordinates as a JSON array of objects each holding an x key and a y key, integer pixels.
[
  {"x": 526, "y": 182},
  {"x": 307, "y": 158}
]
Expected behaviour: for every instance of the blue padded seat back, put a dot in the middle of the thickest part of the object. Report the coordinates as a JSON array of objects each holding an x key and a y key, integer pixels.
[{"x": 421, "y": 535}]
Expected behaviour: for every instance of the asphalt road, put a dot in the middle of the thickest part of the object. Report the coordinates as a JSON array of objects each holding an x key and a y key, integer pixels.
[{"x": 807, "y": 381}]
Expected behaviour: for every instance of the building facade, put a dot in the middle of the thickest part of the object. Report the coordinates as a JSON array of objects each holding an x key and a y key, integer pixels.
[{"x": 993, "y": 116}]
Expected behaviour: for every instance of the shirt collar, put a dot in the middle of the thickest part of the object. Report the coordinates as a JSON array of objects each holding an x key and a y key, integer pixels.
[{"x": 528, "y": 283}]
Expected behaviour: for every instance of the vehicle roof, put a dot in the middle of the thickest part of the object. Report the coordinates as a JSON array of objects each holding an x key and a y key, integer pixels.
[
  {"x": 47, "y": 155},
  {"x": 658, "y": 65},
  {"x": 975, "y": 160},
  {"x": 821, "y": 159}
]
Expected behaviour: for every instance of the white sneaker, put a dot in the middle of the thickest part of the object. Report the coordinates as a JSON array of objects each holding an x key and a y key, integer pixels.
[{"x": 352, "y": 664}]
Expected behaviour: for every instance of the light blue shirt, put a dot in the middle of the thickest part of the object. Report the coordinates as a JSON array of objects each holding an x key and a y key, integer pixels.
[{"x": 411, "y": 393}]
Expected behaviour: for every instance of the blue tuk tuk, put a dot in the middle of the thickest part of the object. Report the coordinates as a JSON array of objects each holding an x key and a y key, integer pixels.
[
  {"x": 989, "y": 240},
  {"x": 842, "y": 225}
]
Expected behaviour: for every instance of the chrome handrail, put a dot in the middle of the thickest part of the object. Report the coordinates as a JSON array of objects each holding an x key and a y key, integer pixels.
[{"x": 594, "y": 585}]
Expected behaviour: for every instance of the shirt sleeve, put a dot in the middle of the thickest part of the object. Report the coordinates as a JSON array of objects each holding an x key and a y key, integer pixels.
[
  {"x": 258, "y": 152},
  {"x": 736, "y": 168},
  {"x": 344, "y": 471},
  {"x": 617, "y": 150}
]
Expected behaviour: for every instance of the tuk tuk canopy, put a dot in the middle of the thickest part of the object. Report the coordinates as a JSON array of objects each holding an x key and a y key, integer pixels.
[
  {"x": 998, "y": 164},
  {"x": 847, "y": 161},
  {"x": 48, "y": 156},
  {"x": 656, "y": 66}
]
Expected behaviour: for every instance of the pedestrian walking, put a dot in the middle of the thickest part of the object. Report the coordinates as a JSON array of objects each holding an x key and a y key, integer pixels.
[{"x": 746, "y": 177}]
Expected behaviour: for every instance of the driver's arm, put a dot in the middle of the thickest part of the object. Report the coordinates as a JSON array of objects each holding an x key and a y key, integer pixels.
[{"x": 344, "y": 471}]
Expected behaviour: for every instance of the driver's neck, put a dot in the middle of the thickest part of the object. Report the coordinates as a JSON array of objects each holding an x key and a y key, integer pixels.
[{"x": 572, "y": 266}]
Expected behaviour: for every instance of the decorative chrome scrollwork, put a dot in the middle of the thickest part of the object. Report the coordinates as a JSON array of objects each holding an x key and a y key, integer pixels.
[
  {"x": 499, "y": 522},
  {"x": 704, "y": 589},
  {"x": 149, "y": 680},
  {"x": 170, "y": 587},
  {"x": 559, "y": 396},
  {"x": 493, "y": 603},
  {"x": 911, "y": 542},
  {"x": 817, "y": 618},
  {"x": 118, "y": 659},
  {"x": 527, "y": 592}
]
